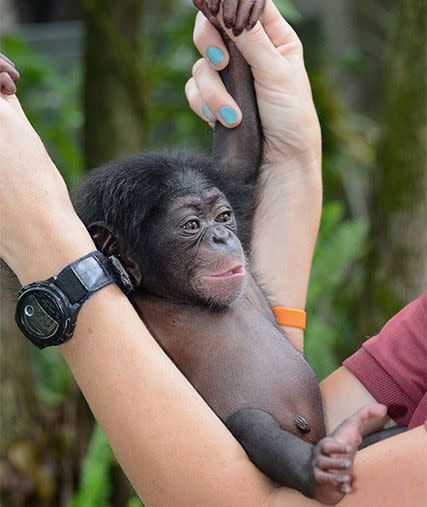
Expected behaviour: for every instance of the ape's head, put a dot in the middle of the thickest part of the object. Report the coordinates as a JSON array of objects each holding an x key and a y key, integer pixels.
[{"x": 172, "y": 228}]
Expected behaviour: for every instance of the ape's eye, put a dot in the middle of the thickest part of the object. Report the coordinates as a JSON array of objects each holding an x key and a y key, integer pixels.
[
  {"x": 224, "y": 217},
  {"x": 191, "y": 225}
]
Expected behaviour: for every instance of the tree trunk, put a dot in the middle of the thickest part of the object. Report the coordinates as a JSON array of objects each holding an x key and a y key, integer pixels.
[
  {"x": 17, "y": 401},
  {"x": 397, "y": 266},
  {"x": 114, "y": 98}
]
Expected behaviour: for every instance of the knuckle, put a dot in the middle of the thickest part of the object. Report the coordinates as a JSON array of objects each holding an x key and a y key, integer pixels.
[
  {"x": 257, "y": 33},
  {"x": 209, "y": 96},
  {"x": 198, "y": 67},
  {"x": 228, "y": 18}
]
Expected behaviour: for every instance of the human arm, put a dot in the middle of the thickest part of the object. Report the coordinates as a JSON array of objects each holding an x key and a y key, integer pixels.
[{"x": 288, "y": 212}]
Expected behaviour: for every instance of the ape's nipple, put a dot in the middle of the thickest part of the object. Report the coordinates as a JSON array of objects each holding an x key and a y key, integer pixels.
[{"x": 302, "y": 424}]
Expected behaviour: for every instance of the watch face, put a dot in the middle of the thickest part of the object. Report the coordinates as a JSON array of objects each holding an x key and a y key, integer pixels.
[
  {"x": 40, "y": 316},
  {"x": 43, "y": 315}
]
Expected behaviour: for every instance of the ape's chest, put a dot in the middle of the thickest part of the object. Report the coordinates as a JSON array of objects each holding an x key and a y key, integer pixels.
[{"x": 238, "y": 358}]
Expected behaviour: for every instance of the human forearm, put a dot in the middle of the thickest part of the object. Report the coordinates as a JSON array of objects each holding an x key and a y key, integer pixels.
[
  {"x": 286, "y": 227},
  {"x": 285, "y": 231}
]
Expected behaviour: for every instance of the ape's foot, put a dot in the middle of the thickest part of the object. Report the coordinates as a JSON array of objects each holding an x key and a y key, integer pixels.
[
  {"x": 236, "y": 14},
  {"x": 334, "y": 456},
  {"x": 8, "y": 76}
]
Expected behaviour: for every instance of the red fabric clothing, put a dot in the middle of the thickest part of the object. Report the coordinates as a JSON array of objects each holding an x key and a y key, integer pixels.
[{"x": 393, "y": 365}]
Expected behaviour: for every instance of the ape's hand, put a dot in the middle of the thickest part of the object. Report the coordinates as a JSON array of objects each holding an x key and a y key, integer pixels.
[
  {"x": 8, "y": 76},
  {"x": 274, "y": 52},
  {"x": 334, "y": 455},
  {"x": 236, "y": 14}
]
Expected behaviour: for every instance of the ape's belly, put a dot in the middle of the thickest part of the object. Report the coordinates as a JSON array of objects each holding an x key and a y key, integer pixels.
[{"x": 240, "y": 359}]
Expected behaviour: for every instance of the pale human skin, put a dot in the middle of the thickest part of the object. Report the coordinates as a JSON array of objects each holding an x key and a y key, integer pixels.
[{"x": 171, "y": 445}]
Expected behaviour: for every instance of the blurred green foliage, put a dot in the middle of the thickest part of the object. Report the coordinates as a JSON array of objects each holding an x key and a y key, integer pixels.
[
  {"x": 52, "y": 102},
  {"x": 340, "y": 244},
  {"x": 95, "y": 483}
]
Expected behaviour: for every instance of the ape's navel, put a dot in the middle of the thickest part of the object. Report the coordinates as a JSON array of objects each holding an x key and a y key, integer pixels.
[{"x": 302, "y": 424}]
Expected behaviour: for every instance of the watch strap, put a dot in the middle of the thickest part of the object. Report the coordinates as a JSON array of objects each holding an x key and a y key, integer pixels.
[{"x": 80, "y": 279}]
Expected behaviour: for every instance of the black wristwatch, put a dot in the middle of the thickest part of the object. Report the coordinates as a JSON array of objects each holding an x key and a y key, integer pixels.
[{"x": 46, "y": 311}]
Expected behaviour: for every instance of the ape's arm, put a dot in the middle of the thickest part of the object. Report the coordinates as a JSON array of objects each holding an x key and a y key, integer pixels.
[{"x": 240, "y": 148}]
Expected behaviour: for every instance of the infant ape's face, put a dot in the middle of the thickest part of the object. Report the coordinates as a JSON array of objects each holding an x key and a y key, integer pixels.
[{"x": 202, "y": 257}]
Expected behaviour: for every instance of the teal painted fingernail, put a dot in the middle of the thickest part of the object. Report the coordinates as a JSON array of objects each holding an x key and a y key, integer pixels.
[
  {"x": 208, "y": 113},
  {"x": 215, "y": 55},
  {"x": 228, "y": 114}
]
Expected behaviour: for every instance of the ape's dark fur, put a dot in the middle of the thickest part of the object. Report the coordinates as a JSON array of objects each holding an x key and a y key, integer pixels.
[{"x": 128, "y": 194}]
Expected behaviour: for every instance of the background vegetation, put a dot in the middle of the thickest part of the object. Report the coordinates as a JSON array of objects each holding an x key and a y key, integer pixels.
[{"x": 126, "y": 93}]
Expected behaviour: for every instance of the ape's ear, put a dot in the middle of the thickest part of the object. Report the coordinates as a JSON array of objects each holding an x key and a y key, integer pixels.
[{"x": 110, "y": 243}]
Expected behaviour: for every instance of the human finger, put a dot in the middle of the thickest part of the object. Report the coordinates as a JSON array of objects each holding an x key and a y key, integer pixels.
[
  {"x": 279, "y": 31},
  {"x": 268, "y": 41},
  {"x": 257, "y": 48},
  {"x": 195, "y": 101},
  {"x": 209, "y": 42},
  {"x": 215, "y": 95}
]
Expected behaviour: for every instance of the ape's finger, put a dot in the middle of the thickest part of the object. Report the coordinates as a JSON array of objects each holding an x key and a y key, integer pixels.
[
  {"x": 229, "y": 11},
  {"x": 328, "y": 464},
  {"x": 213, "y": 6},
  {"x": 209, "y": 42},
  {"x": 214, "y": 94},
  {"x": 7, "y": 86},
  {"x": 7, "y": 66},
  {"x": 335, "y": 480},
  {"x": 255, "y": 14},
  {"x": 4, "y": 57},
  {"x": 242, "y": 16},
  {"x": 330, "y": 446}
]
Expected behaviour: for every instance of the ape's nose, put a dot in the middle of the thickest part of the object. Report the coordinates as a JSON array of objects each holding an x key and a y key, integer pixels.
[{"x": 218, "y": 236}]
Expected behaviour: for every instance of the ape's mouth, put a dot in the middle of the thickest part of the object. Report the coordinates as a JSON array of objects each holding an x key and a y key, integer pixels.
[
  {"x": 222, "y": 288},
  {"x": 236, "y": 272}
]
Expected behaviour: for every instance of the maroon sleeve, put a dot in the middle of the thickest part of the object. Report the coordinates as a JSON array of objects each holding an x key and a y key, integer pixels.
[{"x": 393, "y": 365}]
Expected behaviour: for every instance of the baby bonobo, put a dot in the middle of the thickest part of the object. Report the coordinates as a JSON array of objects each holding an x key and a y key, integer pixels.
[{"x": 180, "y": 224}]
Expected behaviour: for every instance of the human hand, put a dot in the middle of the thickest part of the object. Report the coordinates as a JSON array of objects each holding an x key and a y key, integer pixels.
[
  {"x": 35, "y": 208},
  {"x": 274, "y": 52}
]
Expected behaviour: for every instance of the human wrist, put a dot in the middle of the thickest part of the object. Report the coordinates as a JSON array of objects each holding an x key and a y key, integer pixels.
[
  {"x": 61, "y": 240},
  {"x": 307, "y": 163}
]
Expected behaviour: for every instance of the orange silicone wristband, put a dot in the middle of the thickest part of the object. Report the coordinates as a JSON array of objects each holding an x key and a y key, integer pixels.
[{"x": 290, "y": 317}]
